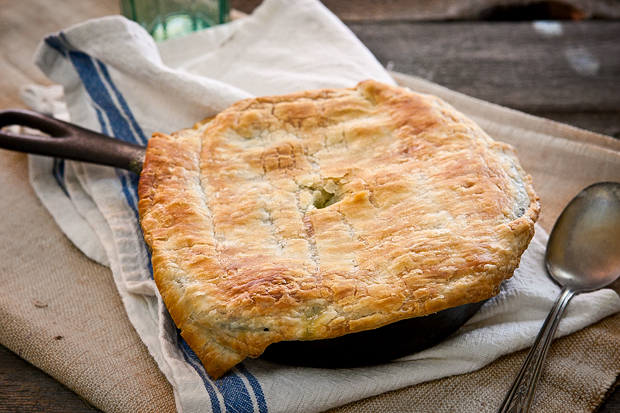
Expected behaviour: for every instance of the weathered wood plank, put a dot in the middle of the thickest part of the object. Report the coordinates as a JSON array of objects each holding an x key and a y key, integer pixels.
[
  {"x": 26, "y": 389},
  {"x": 571, "y": 67},
  {"x": 368, "y": 10},
  {"x": 612, "y": 403},
  {"x": 407, "y": 10}
]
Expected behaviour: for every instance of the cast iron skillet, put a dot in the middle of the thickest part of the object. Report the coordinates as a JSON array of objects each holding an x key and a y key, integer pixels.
[{"x": 357, "y": 349}]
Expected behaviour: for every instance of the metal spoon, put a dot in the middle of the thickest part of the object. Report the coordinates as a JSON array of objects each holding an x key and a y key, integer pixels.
[{"x": 583, "y": 254}]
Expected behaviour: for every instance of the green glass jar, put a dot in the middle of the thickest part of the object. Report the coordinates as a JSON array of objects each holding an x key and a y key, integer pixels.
[{"x": 165, "y": 19}]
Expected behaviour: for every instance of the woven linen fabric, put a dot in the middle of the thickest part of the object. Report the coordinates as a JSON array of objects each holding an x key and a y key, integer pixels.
[
  {"x": 62, "y": 312},
  {"x": 108, "y": 92}
]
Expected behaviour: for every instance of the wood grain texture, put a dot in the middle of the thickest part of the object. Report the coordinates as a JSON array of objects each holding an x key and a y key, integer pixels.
[
  {"x": 612, "y": 403},
  {"x": 425, "y": 10},
  {"x": 512, "y": 64},
  {"x": 26, "y": 389},
  {"x": 568, "y": 71},
  {"x": 439, "y": 10}
]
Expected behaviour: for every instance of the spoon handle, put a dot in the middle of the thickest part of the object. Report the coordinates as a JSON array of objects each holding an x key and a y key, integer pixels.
[{"x": 521, "y": 393}]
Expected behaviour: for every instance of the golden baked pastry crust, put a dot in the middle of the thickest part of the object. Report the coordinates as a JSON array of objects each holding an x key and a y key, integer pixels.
[{"x": 320, "y": 213}]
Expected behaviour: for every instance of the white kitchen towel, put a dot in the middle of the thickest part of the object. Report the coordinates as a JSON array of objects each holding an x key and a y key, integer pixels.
[{"x": 119, "y": 82}]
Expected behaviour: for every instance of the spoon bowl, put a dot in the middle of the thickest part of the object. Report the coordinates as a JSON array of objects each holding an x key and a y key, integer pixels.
[{"x": 583, "y": 254}]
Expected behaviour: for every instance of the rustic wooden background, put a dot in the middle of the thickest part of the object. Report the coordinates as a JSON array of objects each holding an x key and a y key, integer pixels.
[{"x": 559, "y": 60}]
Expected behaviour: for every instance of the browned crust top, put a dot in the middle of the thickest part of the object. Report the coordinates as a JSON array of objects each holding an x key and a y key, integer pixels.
[{"x": 312, "y": 215}]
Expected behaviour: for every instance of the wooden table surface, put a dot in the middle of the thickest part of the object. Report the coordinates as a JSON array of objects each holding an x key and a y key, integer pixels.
[{"x": 565, "y": 70}]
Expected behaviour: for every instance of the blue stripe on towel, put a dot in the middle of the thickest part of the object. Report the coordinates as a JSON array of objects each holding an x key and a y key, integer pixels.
[
  {"x": 58, "y": 171},
  {"x": 258, "y": 391},
  {"x": 105, "y": 105},
  {"x": 56, "y": 43},
  {"x": 98, "y": 83},
  {"x": 129, "y": 183},
  {"x": 104, "y": 127},
  {"x": 100, "y": 96},
  {"x": 123, "y": 104},
  {"x": 193, "y": 360},
  {"x": 237, "y": 399}
]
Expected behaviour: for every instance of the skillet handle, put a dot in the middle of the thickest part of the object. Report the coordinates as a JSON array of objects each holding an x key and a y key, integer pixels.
[{"x": 68, "y": 141}]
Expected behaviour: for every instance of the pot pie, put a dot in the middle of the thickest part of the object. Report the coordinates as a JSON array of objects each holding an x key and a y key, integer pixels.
[{"x": 326, "y": 212}]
